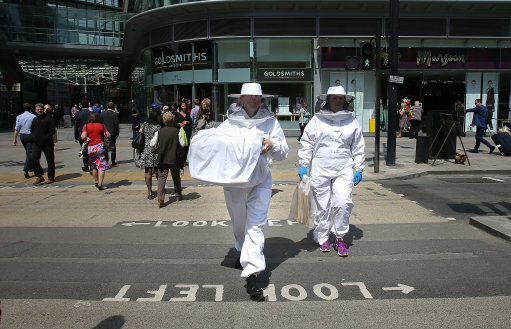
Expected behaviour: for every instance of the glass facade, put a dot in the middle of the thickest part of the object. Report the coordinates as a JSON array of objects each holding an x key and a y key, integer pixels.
[
  {"x": 215, "y": 69},
  {"x": 62, "y": 23},
  {"x": 437, "y": 73}
]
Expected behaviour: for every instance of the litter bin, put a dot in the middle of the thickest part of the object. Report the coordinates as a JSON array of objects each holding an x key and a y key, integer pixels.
[{"x": 422, "y": 149}]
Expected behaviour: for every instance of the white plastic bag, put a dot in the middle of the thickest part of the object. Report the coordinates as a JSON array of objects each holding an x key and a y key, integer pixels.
[
  {"x": 226, "y": 156},
  {"x": 303, "y": 207}
]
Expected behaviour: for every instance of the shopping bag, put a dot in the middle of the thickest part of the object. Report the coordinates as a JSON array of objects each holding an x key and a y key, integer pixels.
[
  {"x": 183, "y": 140},
  {"x": 139, "y": 141},
  {"x": 303, "y": 206},
  {"x": 83, "y": 149}
]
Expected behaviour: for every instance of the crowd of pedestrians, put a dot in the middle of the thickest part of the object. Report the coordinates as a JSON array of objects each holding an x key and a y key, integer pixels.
[{"x": 96, "y": 129}]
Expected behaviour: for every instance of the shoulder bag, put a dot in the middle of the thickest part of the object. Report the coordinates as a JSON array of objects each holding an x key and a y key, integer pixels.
[{"x": 138, "y": 141}]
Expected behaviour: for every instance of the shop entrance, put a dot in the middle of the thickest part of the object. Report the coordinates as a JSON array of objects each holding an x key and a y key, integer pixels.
[{"x": 436, "y": 91}]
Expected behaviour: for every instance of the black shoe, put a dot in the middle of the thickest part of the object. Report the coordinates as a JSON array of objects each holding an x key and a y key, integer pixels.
[
  {"x": 237, "y": 263},
  {"x": 27, "y": 176},
  {"x": 253, "y": 289},
  {"x": 96, "y": 184},
  {"x": 85, "y": 169},
  {"x": 491, "y": 150},
  {"x": 114, "y": 164},
  {"x": 473, "y": 151},
  {"x": 101, "y": 188}
]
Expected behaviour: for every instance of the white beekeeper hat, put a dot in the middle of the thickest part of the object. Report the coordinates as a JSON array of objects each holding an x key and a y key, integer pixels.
[
  {"x": 336, "y": 90},
  {"x": 250, "y": 88}
]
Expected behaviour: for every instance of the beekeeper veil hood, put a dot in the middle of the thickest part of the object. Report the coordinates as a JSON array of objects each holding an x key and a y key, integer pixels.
[{"x": 335, "y": 104}]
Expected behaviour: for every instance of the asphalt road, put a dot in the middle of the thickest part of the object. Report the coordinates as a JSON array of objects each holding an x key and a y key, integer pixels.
[
  {"x": 457, "y": 197},
  {"x": 173, "y": 267}
]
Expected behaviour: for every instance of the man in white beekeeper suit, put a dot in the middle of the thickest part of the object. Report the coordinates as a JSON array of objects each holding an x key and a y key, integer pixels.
[
  {"x": 333, "y": 150},
  {"x": 248, "y": 206}
]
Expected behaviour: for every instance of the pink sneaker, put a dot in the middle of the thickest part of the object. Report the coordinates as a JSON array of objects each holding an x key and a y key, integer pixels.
[
  {"x": 341, "y": 248},
  {"x": 325, "y": 247}
]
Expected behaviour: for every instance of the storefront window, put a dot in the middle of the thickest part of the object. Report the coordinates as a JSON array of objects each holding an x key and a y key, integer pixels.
[{"x": 283, "y": 67}]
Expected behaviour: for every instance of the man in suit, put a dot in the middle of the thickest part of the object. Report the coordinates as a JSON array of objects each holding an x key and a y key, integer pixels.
[
  {"x": 479, "y": 121},
  {"x": 81, "y": 118},
  {"x": 42, "y": 131},
  {"x": 110, "y": 119}
]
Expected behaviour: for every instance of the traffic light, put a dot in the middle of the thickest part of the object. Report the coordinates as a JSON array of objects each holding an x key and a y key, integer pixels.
[
  {"x": 351, "y": 63},
  {"x": 367, "y": 55}
]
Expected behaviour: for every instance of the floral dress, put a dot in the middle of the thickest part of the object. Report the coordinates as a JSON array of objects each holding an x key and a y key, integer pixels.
[{"x": 149, "y": 159}]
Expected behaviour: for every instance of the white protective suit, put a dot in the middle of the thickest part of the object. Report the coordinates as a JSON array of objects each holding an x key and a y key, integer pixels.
[
  {"x": 332, "y": 147},
  {"x": 248, "y": 206}
]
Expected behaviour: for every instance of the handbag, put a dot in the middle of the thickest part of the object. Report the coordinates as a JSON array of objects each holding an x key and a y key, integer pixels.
[
  {"x": 55, "y": 137},
  {"x": 83, "y": 149},
  {"x": 138, "y": 141}
]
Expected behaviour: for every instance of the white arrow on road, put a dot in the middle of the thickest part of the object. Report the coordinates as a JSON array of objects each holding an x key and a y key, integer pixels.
[
  {"x": 400, "y": 287},
  {"x": 134, "y": 223}
]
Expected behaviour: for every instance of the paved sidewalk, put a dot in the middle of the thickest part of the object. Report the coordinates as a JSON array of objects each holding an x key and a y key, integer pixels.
[{"x": 68, "y": 163}]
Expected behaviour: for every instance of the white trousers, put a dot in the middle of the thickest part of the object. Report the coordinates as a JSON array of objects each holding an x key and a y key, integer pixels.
[
  {"x": 333, "y": 199},
  {"x": 248, "y": 209}
]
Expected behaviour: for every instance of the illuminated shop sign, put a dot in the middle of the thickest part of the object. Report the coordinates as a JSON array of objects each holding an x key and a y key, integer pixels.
[
  {"x": 180, "y": 57},
  {"x": 283, "y": 75},
  {"x": 426, "y": 57}
]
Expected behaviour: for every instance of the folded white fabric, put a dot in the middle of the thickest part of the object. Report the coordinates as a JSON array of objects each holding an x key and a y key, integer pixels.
[{"x": 227, "y": 155}]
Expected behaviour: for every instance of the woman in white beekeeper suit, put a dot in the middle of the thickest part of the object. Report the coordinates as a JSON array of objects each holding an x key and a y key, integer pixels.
[
  {"x": 248, "y": 206},
  {"x": 333, "y": 149}
]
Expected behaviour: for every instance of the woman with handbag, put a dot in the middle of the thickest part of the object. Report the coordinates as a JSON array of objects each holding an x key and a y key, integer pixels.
[
  {"x": 184, "y": 120},
  {"x": 95, "y": 130},
  {"x": 148, "y": 158},
  {"x": 166, "y": 147}
]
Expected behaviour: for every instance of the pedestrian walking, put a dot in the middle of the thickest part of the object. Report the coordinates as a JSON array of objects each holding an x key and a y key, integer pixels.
[
  {"x": 404, "y": 123},
  {"x": 110, "y": 119},
  {"x": 148, "y": 158},
  {"x": 96, "y": 131},
  {"x": 184, "y": 120},
  {"x": 248, "y": 204},
  {"x": 304, "y": 118},
  {"x": 332, "y": 154},
  {"x": 479, "y": 120},
  {"x": 23, "y": 129},
  {"x": 42, "y": 132},
  {"x": 135, "y": 117},
  {"x": 81, "y": 118},
  {"x": 168, "y": 146},
  {"x": 415, "y": 113}
]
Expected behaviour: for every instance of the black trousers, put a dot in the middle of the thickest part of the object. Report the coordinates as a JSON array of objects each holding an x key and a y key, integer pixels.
[
  {"x": 415, "y": 128},
  {"x": 302, "y": 128},
  {"x": 47, "y": 149}
]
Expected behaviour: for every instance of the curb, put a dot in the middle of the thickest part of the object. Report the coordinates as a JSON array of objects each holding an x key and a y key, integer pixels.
[
  {"x": 445, "y": 172},
  {"x": 493, "y": 225}
]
